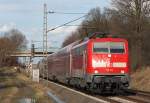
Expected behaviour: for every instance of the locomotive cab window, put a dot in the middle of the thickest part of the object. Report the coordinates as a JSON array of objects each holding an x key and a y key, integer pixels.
[
  {"x": 108, "y": 47},
  {"x": 117, "y": 47},
  {"x": 100, "y": 47}
]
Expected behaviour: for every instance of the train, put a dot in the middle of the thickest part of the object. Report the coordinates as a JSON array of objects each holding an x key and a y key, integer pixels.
[{"x": 99, "y": 64}]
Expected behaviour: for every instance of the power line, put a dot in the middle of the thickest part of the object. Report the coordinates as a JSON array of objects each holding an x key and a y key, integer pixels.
[
  {"x": 84, "y": 26},
  {"x": 51, "y": 12},
  {"x": 39, "y": 41},
  {"x": 67, "y": 23}
]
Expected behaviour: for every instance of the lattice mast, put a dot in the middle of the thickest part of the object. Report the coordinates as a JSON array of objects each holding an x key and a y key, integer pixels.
[
  {"x": 45, "y": 31},
  {"x": 45, "y": 50}
]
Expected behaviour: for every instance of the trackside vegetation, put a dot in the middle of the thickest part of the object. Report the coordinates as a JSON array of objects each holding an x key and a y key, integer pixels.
[{"x": 10, "y": 42}]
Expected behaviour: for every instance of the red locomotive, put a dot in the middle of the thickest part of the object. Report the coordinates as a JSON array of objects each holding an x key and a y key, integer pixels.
[{"x": 98, "y": 64}]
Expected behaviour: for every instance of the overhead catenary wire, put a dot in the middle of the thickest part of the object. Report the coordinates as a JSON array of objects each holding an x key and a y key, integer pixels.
[
  {"x": 39, "y": 41},
  {"x": 84, "y": 26},
  {"x": 51, "y": 12},
  {"x": 66, "y": 23}
]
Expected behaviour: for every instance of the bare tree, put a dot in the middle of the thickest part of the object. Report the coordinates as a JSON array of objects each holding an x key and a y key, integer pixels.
[
  {"x": 70, "y": 39},
  {"x": 17, "y": 38},
  {"x": 132, "y": 18},
  {"x": 95, "y": 21},
  {"x": 12, "y": 41},
  {"x": 135, "y": 11}
]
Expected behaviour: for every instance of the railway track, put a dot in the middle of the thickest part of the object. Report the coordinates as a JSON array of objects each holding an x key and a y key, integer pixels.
[
  {"x": 137, "y": 96},
  {"x": 134, "y": 97},
  {"x": 141, "y": 93},
  {"x": 130, "y": 96}
]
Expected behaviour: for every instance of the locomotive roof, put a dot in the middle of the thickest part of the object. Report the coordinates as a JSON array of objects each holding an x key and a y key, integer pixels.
[
  {"x": 109, "y": 39},
  {"x": 85, "y": 40}
]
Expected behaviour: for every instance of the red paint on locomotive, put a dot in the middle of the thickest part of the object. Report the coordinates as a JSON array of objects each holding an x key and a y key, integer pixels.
[{"x": 91, "y": 62}]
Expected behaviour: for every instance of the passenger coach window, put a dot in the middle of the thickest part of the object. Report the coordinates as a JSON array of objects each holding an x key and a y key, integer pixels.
[
  {"x": 117, "y": 47},
  {"x": 100, "y": 47}
]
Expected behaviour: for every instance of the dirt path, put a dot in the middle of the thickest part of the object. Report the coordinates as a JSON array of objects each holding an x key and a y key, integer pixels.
[{"x": 17, "y": 88}]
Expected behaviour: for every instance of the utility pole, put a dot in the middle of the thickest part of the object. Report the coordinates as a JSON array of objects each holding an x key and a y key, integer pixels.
[
  {"x": 45, "y": 31},
  {"x": 45, "y": 46}
]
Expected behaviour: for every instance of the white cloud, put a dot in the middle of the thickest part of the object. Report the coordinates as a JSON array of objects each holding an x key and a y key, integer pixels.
[{"x": 7, "y": 27}]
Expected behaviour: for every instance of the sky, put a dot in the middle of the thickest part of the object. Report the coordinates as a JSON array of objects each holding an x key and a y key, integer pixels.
[{"x": 27, "y": 17}]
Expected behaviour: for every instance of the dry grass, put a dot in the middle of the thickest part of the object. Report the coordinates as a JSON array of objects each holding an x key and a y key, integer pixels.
[
  {"x": 141, "y": 79},
  {"x": 15, "y": 86}
]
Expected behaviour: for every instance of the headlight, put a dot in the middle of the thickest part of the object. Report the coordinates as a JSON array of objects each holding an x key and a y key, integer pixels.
[{"x": 95, "y": 71}]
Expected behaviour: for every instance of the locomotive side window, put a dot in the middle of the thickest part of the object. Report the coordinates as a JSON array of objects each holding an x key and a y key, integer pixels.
[
  {"x": 117, "y": 47},
  {"x": 100, "y": 47}
]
